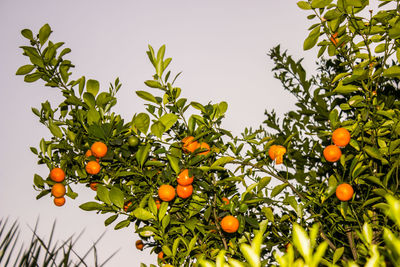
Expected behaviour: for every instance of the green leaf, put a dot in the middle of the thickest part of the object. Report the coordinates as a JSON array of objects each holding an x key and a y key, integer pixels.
[
  {"x": 89, "y": 99},
  {"x": 373, "y": 152},
  {"x": 153, "y": 84},
  {"x": 222, "y": 161},
  {"x": 142, "y": 154},
  {"x": 345, "y": 89},
  {"x": 320, "y": 3},
  {"x": 44, "y": 33},
  {"x": 304, "y": 5},
  {"x": 27, "y": 34},
  {"x": 38, "y": 181},
  {"x": 93, "y": 116},
  {"x": 55, "y": 130},
  {"x": 198, "y": 106},
  {"x": 30, "y": 78},
  {"x": 142, "y": 121},
  {"x": 301, "y": 241},
  {"x": 143, "y": 214},
  {"x": 93, "y": 87},
  {"x": 398, "y": 55},
  {"x": 166, "y": 250},
  {"x": 122, "y": 224},
  {"x": 174, "y": 161},
  {"x": 157, "y": 129},
  {"x": 146, "y": 96},
  {"x": 117, "y": 197},
  {"x": 312, "y": 39},
  {"x": 338, "y": 254},
  {"x": 110, "y": 220},
  {"x": 250, "y": 255},
  {"x": 25, "y": 69},
  {"x": 277, "y": 189},
  {"x": 168, "y": 120},
  {"x": 392, "y": 72},
  {"x": 103, "y": 194},
  {"x": 268, "y": 213},
  {"x": 88, "y": 206}
]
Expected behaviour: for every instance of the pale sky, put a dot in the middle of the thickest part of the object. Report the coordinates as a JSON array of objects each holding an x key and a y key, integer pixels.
[{"x": 221, "y": 47}]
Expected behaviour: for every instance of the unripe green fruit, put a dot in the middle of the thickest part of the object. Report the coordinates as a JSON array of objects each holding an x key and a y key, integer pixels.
[{"x": 133, "y": 141}]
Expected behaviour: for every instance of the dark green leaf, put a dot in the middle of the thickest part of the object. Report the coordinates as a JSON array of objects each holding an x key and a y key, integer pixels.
[
  {"x": 312, "y": 39},
  {"x": 110, "y": 219}
]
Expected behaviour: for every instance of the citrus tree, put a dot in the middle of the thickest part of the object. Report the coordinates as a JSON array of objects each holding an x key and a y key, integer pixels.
[{"x": 191, "y": 189}]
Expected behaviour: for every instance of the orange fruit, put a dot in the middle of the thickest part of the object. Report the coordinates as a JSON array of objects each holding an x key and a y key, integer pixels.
[
  {"x": 189, "y": 145},
  {"x": 166, "y": 192},
  {"x": 334, "y": 39},
  {"x": 99, "y": 149},
  {"x": 276, "y": 153},
  {"x": 287, "y": 246},
  {"x": 332, "y": 153},
  {"x": 57, "y": 175},
  {"x": 204, "y": 146},
  {"x": 139, "y": 244},
  {"x": 225, "y": 200},
  {"x": 127, "y": 205},
  {"x": 184, "y": 179},
  {"x": 59, "y": 201},
  {"x": 160, "y": 255},
  {"x": 184, "y": 191},
  {"x": 230, "y": 224},
  {"x": 93, "y": 186},
  {"x": 158, "y": 204},
  {"x": 344, "y": 192},
  {"x": 58, "y": 190},
  {"x": 92, "y": 167},
  {"x": 88, "y": 153},
  {"x": 341, "y": 137}
]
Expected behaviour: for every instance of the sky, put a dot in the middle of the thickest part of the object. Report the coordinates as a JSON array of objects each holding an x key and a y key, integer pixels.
[{"x": 220, "y": 46}]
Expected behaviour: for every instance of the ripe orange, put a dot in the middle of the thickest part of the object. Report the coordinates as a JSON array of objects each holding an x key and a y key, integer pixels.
[
  {"x": 204, "y": 146},
  {"x": 127, "y": 205},
  {"x": 230, "y": 224},
  {"x": 88, "y": 153},
  {"x": 139, "y": 244},
  {"x": 341, "y": 137},
  {"x": 57, "y": 175},
  {"x": 189, "y": 145},
  {"x": 59, "y": 201},
  {"x": 184, "y": 191},
  {"x": 93, "y": 186},
  {"x": 332, "y": 153},
  {"x": 58, "y": 190},
  {"x": 92, "y": 167},
  {"x": 160, "y": 255},
  {"x": 99, "y": 149},
  {"x": 344, "y": 192},
  {"x": 276, "y": 153},
  {"x": 166, "y": 192},
  {"x": 184, "y": 179},
  {"x": 225, "y": 200}
]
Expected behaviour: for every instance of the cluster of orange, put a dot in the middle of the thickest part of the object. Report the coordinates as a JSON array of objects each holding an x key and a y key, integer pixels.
[
  {"x": 99, "y": 150},
  {"x": 332, "y": 153},
  {"x": 58, "y": 189}
]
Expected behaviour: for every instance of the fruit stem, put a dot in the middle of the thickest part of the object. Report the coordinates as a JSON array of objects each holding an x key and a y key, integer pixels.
[{"x": 217, "y": 223}]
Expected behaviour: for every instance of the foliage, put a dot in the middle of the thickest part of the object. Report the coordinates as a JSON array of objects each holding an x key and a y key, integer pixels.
[
  {"x": 356, "y": 87},
  {"x": 40, "y": 252},
  {"x": 303, "y": 254}
]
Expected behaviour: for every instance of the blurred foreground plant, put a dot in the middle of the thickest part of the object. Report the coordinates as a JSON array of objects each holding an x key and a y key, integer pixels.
[{"x": 40, "y": 252}]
